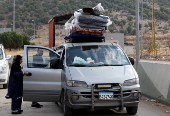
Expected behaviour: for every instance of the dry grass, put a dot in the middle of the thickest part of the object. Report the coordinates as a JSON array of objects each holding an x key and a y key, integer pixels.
[{"x": 15, "y": 52}]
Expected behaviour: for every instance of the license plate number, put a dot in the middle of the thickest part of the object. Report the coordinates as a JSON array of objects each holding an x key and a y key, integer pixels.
[{"x": 106, "y": 95}]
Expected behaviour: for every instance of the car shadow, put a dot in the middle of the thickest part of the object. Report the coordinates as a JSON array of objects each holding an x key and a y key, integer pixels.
[
  {"x": 108, "y": 112},
  {"x": 99, "y": 113}
]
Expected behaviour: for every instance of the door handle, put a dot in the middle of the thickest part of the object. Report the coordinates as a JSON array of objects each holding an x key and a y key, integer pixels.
[{"x": 29, "y": 74}]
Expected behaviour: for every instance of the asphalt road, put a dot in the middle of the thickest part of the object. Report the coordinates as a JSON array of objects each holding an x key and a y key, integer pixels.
[{"x": 146, "y": 108}]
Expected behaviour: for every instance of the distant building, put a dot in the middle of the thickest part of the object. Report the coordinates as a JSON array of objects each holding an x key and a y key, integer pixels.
[
  {"x": 117, "y": 38},
  {"x": 4, "y": 30},
  {"x": 129, "y": 49}
]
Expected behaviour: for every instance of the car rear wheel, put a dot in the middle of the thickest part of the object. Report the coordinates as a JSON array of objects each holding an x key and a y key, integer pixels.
[
  {"x": 132, "y": 110},
  {"x": 67, "y": 111},
  {"x": 5, "y": 86}
]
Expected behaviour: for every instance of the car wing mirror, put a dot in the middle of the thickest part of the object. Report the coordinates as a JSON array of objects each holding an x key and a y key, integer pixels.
[
  {"x": 8, "y": 57},
  {"x": 132, "y": 60},
  {"x": 55, "y": 63}
]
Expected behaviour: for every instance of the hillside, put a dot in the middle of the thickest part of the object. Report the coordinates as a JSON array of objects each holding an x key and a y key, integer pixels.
[{"x": 121, "y": 12}]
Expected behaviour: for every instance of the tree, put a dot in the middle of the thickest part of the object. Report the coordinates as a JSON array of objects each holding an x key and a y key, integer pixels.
[
  {"x": 121, "y": 24},
  {"x": 133, "y": 32},
  {"x": 111, "y": 30},
  {"x": 165, "y": 16},
  {"x": 9, "y": 25},
  {"x": 2, "y": 17},
  {"x": 13, "y": 40},
  {"x": 29, "y": 31},
  {"x": 17, "y": 24},
  {"x": 123, "y": 31},
  {"x": 26, "y": 40},
  {"x": 140, "y": 25},
  {"x": 130, "y": 18},
  {"x": 31, "y": 43},
  {"x": 130, "y": 23},
  {"x": 115, "y": 21},
  {"x": 150, "y": 25},
  {"x": 18, "y": 41},
  {"x": 129, "y": 29},
  {"x": 6, "y": 40},
  {"x": 124, "y": 22}
]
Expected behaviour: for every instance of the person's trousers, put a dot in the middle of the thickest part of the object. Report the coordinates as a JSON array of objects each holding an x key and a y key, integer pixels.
[{"x": 16, "y": 102}]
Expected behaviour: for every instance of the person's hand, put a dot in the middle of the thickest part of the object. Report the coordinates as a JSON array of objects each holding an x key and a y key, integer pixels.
[{"x": 26, "y": 73}]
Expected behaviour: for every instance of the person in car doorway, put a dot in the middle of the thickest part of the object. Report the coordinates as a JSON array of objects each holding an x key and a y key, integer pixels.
[
  {"x": 37, "y": 59},
  {"x": 15, "y": 86},
  {"x": 37, "y": 63}
]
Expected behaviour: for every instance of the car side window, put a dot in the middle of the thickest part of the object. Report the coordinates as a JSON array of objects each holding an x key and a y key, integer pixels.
[{"x": 40, "y": 57}]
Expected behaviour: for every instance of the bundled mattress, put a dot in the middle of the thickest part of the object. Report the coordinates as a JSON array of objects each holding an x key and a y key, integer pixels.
[{"x": 89, "y": 22}]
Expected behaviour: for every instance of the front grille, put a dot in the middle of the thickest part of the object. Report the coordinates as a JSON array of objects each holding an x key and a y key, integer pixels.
[
  {"x": 96, "y": 96},
  {"x": 2, "y": 80}
]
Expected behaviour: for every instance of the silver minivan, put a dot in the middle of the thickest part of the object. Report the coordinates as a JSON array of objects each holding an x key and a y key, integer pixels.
[{"x": 90, "y": 76}]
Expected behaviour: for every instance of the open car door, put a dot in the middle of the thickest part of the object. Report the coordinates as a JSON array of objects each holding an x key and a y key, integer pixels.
[{"x": 43, "y": 84}]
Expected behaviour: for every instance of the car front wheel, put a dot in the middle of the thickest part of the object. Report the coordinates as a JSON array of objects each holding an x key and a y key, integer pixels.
[
  {"x": 67, "y": 111},
  {"x": 132, "y": 110}
]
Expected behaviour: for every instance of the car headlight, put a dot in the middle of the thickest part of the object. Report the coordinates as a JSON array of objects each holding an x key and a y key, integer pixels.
[
  {"x": 131, "y": 82},
  {"x": 76, "y": 84},
  {"x": 3, "y": 69}
]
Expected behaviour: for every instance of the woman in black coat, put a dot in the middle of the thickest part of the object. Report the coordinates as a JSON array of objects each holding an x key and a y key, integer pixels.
[{"x": 15, "y": 86}]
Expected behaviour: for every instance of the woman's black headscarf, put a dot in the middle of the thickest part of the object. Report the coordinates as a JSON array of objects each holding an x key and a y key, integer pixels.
[{"x": 16, "y": 64}]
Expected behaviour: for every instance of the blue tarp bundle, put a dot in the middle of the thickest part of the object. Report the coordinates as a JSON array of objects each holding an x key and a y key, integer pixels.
[{"x": 78, "y": 37}]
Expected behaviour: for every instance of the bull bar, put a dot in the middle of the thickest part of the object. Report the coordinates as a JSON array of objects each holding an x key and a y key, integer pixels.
[{"x": 104, "y": 90}]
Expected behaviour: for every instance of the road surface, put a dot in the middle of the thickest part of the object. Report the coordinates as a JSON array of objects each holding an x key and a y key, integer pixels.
[{"x": 146, "y": 108}]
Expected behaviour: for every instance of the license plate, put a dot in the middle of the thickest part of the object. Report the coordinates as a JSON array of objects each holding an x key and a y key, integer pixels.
[{"x": 106, "y": 95}]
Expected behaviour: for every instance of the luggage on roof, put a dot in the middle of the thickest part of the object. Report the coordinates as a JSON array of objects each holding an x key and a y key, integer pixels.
[
  {"x": 87, "y": 24},
  {"x": 74, "y": 37}
]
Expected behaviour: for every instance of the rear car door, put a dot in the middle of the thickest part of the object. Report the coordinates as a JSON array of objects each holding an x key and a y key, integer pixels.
[{"x": 44, "y": 83}]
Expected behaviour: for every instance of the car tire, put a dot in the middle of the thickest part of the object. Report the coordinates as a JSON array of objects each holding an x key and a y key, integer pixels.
[
  {"x": 62, "y": 99},
  {"x": 5, "y": 86},
  {"x": 132, "y": 110},
  {"x": 67, "y": 111}
]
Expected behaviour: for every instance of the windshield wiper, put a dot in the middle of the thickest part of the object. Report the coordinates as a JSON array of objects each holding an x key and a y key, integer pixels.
[
  {"x": 111, "y": 65},
  {"x": 78, "y": 65},
  {"x": 82, "y": 65}
]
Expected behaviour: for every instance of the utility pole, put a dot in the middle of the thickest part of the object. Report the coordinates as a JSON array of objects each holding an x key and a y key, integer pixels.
[
  {"x": 153, "y": 26},
  {"x": 14, "y": 16},
  {"x": 59, "y": 34},
  {"x": 142, "y": 32},
  {"x": 34, "y": 30},
  {"x": 137, "y": 34}
]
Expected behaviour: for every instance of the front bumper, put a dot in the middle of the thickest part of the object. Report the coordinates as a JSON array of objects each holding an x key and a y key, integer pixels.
[
  {"x": 89, "y": 97},
  {"x": 3, "y": 78}
]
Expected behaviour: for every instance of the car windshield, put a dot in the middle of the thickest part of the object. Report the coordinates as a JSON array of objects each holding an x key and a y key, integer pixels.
[
  {"x": 102, "y": 55},
  {"x": 1, "y": 54}
]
